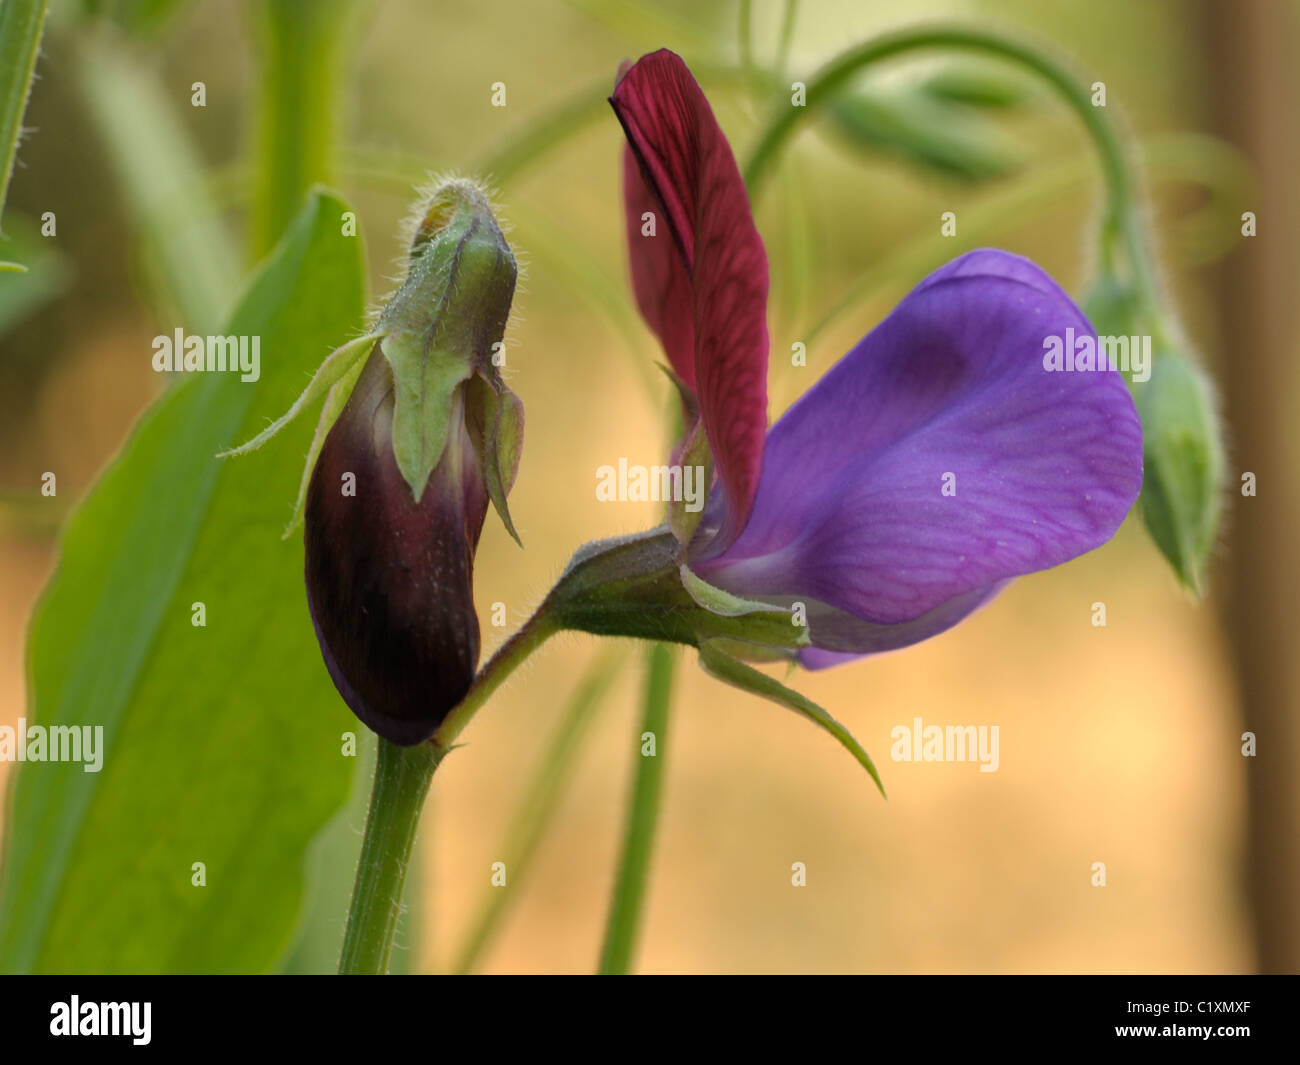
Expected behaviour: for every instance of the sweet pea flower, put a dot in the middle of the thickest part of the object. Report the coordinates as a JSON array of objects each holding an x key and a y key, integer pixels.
[
  {"x": 419, "y": 435},
  {"x": 933, "y": 463}
]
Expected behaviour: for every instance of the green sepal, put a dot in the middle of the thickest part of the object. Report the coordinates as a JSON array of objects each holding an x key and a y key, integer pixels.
[
  {"x": 335, "y": 368},
  {"x": 690, "y": 405},
  {"x": 335, "y": 401},
  {"x": 718, "y": 601},
  {"x": 632, "y": 586},
  {"x": 752, "y": 652},
  {"x": 695, "y": 454},
  {"x": 718, "y": 663},
  {"x": 445, "y": 322},
  {"x": 424, "y": 381},
  {"x": 494, "y": 418}
]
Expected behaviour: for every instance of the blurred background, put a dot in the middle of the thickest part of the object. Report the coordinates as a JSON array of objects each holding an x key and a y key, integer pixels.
[{"x": 1119, "y": 745}]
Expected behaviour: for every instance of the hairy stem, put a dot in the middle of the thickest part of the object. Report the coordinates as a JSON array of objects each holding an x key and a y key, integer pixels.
[
  {"x": 534, "y": 632},
  {"x": 402, "y": 777}
]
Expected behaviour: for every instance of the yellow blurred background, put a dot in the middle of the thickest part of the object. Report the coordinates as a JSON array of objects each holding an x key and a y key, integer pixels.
[{"x": 1119, "y": 745}]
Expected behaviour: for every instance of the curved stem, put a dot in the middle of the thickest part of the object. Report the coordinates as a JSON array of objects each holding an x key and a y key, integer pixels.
[
  {"x": 530, "y": 636},
  {"x": 643, "y": 816},
  {"x": 402, "y": 776},
  {"x": 1121, "y": 221}
]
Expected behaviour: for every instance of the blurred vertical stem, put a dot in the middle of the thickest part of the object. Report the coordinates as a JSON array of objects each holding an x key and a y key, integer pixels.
[
  {"x": 162, "y": 179},
  {"x": 643, "y": 816},
  {"x": 300, "y": 46},
  {"x": 745, "y": 36},
  {"x": 787, "y": 36},
  {"x": 402, "y": 778},
  {"x": 20, "y": 41},
  {"x": 538, "y": 805}
]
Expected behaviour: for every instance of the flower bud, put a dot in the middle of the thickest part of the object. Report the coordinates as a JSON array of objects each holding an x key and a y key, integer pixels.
[
  {"x": 401, "y": 486},
  {"x": 1183, "y": 455},
  {"x": 1182, "y": 494},
  {"x": 925, "y": 130}
]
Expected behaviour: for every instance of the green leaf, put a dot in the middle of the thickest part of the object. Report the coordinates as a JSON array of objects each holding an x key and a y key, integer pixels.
[
  {"x": 21, "y": 22},
  {"x": 222, "y": 744},
  {"x": 718, "y": 663}
]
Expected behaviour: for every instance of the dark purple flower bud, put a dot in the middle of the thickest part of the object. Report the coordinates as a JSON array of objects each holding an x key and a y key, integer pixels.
[{"x": 396, "y": 502}]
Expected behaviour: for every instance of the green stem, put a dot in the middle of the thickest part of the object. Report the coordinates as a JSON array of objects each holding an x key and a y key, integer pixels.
[
  {"x": 643, "y": 815},
  {"x": 534, "y": 632},
  {"x": 402, "y": 776},
  {"x": 1121, "y": 222},
  {"x": 299, "y": 107}
]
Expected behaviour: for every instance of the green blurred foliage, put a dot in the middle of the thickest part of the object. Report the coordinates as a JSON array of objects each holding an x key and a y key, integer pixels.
[{"x": 224, "y": 742}]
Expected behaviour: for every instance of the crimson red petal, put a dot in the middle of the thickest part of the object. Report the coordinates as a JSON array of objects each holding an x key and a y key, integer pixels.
[
  {"x": 687, "y": 166},
  {"x": 659, "y": 276}
]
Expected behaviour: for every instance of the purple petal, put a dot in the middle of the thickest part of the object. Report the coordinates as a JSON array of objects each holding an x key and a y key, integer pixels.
[
  {"x": 840, "y": 637},
  {"x": 850, "y": 510}
]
